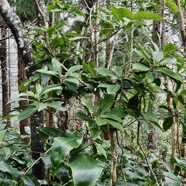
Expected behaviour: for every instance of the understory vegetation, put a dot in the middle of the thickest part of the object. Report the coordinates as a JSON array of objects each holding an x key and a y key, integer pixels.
[{"x": 104, "y": 98}]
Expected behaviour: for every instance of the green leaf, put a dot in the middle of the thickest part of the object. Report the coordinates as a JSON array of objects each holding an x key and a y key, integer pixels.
[
  {"x": 106, "y": 27},
  {"x": 78, "y": 37},
  {"x": 88, "y": 104},
  {"x": 183, "y": 92},
  {"x": 171, "y": 5},
  {"x": 85, "y": 170},
  {"x": 53, "y": 8},
  {"x": 50, "y": 88},
  {"x": 5, "y": 167},
  {"x": 104, "y": 72},
  {"x": 112, "y": 116},
  {"x": 74, "y": 69},
  {"x": 119, "y": 112},
  {"x": 2, "y": 134},
  {"x": 115, "y": 124},
  {"x": 158, "y": 56},
  {"x": 57, "y": 106},
  {"x": 111, "y": 89},
  {"x": 168, "y": 122},
  {"x": 89, "y": 66},
  {"x": 120, "y": 12},
  {"x": 72, "y": 79},
  {"x": 140, "y": 67},
  {"x": 146, "y": 16},
  {"x": 100, "y": 122},
  {"x": 45, "y": 71},
  {"x": 57, "y": 65},
  {"x": 106, "y": 104},
  {"x": 101, "y": 149},
  {"x": 170, "y": 73},
  {"x": 171, "y": 179},
  {"x": 149, "y": 77},
  {"x": 26, "y": 113},
  {"x": 53, "y": 132},
  {"x": 29, "y": 181},
  {"x": 62, "y": 146},
  {"x": 169, "y": 47},
  {"x": 24, "y": 85},
  {"x": 83, "y": 116},
  {"x": 180, "y": 163}
]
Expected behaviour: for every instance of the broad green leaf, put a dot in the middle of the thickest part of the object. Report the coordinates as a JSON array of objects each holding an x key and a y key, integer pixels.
[
  {"x": 169, "y": 47},
  {"x": 50, "y": 88},
  {"x": 171, "y": 179},
  {"x": 71, "y": 79},
  {"x": 26, "y": 113},
  {"x": 88, "y": 104},
  {"x": 85, "y": 170},
  {"x": 104, "y": 72},
  {"x": 180, "y": 163},
  {"x": 106, "y": 27},
  {"x": 112, "y": 116},
  {"x": 149, "y": 77},
  {"x": 62, "y": 146},
  {"x": 5, "y": 167},
  {"x": 57, "y": 65},
  {"x": 143, "y": 55},
  {"x": 181, "y": 63},
  {"x": 120, "y": 12},
  {"x": 74, "y": 69},
  {"x": 115, "y": 124},
  {"x": 57, "y": 42},
  {"x": 111, "y": 89},
  {"x": 119, "y": 112},
  {"x": 140, "y": 67},
  {"x": 101, "y": 149},
  {"x": 106, "y": 104},
  {"x": 100, "y": 122},
  {"x": 29, "y": 181},
  {"x": 53, "y": 132},
  {"x": 168, "y": 122},
  {"x": 83, "y": 116},
  {"x": 38, "y": 88},
  {"x": 171, "y": 61},
  {"x": 57, "y": 106},
  {"x": 118, "y": 70},
  {"x": 171, "y": 5},
  {"x": 24, "y": 85},
  {"x": 2, "y": 134},
  {"x": 183, "y": 92},
  {"x": 169, "y": 73},
  {"x": 53, "y": 8},
  {"x": 146, "y": 16},
  {"x": 158, "y": 56},
  {"x": 89, "y": 66},
  {"x": 45, "y": 71}
]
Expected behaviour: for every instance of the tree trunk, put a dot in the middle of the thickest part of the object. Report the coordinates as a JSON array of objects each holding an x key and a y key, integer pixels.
[
  {"x": 21, "y": 78},
  {"x": 3, "y": 58}
]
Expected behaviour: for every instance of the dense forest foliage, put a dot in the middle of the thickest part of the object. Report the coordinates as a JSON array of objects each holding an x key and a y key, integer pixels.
[{"x": 101, "y": 93}]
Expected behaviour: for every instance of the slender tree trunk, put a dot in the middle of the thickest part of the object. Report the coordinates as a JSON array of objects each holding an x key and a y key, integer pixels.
[
  {"x": 21, "y": 78},
  {"x": 182, "y": 26},
  {"x": 4, "y": 70}
]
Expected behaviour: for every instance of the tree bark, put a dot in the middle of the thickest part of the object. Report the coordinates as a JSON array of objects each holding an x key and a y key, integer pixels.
[
  {"x": 3, "y": 59},
  {"x": 21, "y": 78}
]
